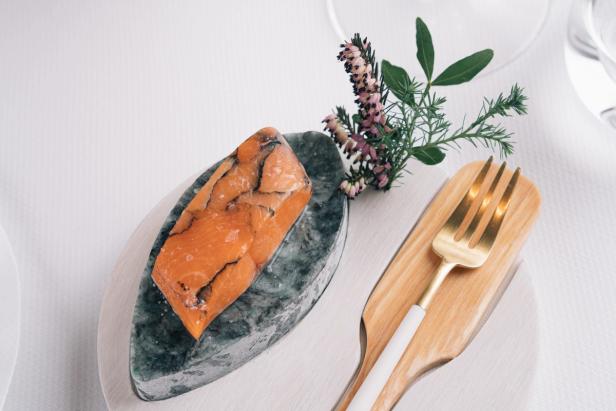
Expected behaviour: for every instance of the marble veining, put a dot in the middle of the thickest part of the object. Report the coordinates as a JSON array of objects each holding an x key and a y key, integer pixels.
[{"x": 165, "y": 361}]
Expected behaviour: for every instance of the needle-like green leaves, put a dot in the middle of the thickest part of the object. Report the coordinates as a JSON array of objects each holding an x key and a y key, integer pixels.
[
  {"x": 425, "y": 48},
  {"x": 465, "y": 69}
]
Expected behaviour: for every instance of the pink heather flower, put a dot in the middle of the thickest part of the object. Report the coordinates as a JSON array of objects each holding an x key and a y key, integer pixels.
[
  {"x": 352, "y": 192},
  {"x": 359, "y": 139},
  {"x": 372, "y": 123},
  {"x": 373, "y": 154},
  {"x": 374, "y": 98},
  {"x": 349, "y": 147},
  {"x": 352, "y": 189},
  {"x": 382, "y": 180},
  {"x": 362, "y": 98},
  {"x": 349, "y": 51},
  {"x": 333, "y": 125},
  {"x": 381, "y": 172},
  {"x": 365, "y": 85},
  {"x": 358, "y": 144}
]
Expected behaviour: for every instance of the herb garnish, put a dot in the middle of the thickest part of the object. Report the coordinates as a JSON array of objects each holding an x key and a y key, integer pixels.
[{"x": 400, "y": 118}]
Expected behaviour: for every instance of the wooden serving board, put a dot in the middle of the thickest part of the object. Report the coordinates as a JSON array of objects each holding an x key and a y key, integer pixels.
[
  {"x": 464, "y": 301},
  {"x": 300, "y": 371}
]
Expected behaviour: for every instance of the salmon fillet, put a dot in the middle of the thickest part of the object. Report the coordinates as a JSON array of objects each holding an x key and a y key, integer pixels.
[{"x": 231, "y": 229}]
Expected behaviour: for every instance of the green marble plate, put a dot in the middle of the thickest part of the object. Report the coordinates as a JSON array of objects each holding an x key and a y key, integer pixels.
[{"x": 165, "y": 361}]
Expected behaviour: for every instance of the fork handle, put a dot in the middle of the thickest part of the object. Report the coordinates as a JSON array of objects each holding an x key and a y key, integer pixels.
[{"x": 376, "y": 379}]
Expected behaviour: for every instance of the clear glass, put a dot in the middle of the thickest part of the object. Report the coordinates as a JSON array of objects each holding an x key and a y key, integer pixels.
[
  {"x": 602, "y": 29},
  {"x": 458, "y": 27},
  {"x": 591, "y": 59}
]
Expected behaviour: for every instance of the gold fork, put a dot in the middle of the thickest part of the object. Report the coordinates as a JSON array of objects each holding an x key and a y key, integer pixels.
[{"x": 455, "y": 249}]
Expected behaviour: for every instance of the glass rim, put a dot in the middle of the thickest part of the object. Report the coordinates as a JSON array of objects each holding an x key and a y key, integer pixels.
[{"x": 594, "y": 35}]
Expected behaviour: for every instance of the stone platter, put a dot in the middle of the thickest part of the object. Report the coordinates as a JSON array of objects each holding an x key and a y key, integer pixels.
[{"x": 164, "y": 359}]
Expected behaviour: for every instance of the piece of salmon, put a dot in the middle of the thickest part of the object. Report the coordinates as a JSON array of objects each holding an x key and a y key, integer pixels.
[{"x": 231, "y": 229}]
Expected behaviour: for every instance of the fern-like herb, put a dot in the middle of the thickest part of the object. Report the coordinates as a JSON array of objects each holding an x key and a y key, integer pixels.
[{"x": 400, "y": 118}]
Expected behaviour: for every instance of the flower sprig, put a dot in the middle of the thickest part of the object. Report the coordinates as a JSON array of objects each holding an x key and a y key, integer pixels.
[{"x": 399, "y": 117}]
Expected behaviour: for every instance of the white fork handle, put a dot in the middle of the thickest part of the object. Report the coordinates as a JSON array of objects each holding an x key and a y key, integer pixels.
[{"x": 379, "y": 374}]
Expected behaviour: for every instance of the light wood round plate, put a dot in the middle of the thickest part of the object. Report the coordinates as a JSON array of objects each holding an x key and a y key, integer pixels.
[{"x": 310, "y": 367}]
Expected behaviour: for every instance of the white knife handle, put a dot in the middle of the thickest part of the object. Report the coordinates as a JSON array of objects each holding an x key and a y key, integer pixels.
[{"x": 383, "y": 367}]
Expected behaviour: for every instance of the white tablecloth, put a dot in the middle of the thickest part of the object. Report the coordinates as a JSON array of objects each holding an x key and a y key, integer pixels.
[{"x": 106, "y": 106}]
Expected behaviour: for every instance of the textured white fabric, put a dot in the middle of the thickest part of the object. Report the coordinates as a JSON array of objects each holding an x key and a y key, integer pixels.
[
  {"x": 10, "y": 306},
  {"x": 106, "y": 106}
]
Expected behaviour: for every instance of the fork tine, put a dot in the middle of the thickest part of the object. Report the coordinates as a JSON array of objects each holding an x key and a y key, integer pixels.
[
  {"x": 463, "y": 206},
  {"x": 489, "y": 235},
  {"x": 485, "y": 202}
]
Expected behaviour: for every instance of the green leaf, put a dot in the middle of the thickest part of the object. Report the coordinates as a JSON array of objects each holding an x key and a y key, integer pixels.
[
  {"x": 428, "y": 155},
  {"x": 398, "y": 81},
  {"x": 464, "y": 70},
  {"x": 425, "y": 49}
]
